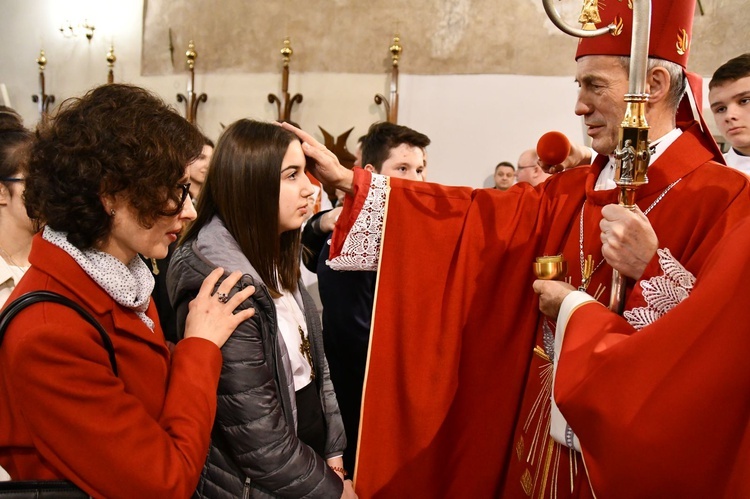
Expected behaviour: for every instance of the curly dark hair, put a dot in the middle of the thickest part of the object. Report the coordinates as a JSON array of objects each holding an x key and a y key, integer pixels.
[{"x": 116, "y": 139}]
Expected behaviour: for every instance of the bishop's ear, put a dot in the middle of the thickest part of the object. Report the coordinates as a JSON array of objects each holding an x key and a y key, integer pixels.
[{"x": 657, "y": 84}]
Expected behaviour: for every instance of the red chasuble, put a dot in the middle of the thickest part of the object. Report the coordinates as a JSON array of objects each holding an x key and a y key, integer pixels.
[
  {"x": 665, "y": 412},
  {"x": 448, "y": 407}
]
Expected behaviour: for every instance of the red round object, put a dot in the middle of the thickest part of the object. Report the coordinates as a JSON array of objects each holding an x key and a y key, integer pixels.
[{"x": 553, "y": 148}]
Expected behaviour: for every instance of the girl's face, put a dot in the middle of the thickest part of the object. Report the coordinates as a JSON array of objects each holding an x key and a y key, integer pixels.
[{"x": 294, "y": 189}]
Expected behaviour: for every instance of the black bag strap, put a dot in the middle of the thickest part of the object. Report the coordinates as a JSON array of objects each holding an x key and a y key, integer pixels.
[{"x": 23, "y": 301}]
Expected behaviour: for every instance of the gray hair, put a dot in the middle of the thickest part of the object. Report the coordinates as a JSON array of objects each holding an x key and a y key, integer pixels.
[{"x": 677, "y": 79}]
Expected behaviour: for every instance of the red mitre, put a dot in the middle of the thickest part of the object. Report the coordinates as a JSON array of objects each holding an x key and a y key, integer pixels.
[
  {"x": 671, "y": 30},
  {"x": 670, "y": 38}
]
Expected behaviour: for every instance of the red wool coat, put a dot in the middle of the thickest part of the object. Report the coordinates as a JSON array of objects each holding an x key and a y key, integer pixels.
[{"x": 65, "y": 414}]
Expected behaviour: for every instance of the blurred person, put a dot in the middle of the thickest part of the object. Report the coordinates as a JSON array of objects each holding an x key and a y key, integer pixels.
[
  {"x": 505, "y": 174},
  {"x": 278, "y": 430},
  {"x": 9, "y": 117},
  {"x": 529, "y": 170},
  {"x": 16, "y": 229},
  {"x": 729, "y": 97},
  {"x": 198, "y": 168}
]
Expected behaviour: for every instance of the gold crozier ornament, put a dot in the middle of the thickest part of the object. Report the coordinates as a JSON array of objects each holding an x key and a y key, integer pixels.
[{"x": 589, "y": 15}]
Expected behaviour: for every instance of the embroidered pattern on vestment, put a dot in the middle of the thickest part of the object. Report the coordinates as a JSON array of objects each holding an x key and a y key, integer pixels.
[{"x": 361, "y": 248}]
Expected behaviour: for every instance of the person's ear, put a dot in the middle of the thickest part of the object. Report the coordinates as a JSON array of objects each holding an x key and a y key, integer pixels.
[
  {"x": 109, "y": 203},
  {"x": 658, "y": 82},
  {"x": 370, "y": 168},
  {"x": 4, "y": 195}
]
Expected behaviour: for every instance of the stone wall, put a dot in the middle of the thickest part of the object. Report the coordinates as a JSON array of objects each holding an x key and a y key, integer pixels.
[{"x": 353, "y": 36}]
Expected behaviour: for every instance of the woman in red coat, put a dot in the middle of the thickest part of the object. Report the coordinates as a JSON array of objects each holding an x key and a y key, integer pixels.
[{"x": 106, "y": 178}]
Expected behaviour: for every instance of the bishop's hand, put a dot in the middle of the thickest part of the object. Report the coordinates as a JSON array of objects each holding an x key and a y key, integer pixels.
[
  {"x": 551, "y": 295},
  {"x": 628, "y": 240},
  {"x": 327, "y": 168}
]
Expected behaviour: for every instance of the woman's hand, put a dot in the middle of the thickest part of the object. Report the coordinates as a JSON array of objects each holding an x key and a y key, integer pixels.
[
  {"x": 348, "y": 491},
  {"x": 328, "y": 220},
  {"x": 551, "y": 294},
  {"x": 211, "y": 315},
  {"x": 327, "y": 168}
]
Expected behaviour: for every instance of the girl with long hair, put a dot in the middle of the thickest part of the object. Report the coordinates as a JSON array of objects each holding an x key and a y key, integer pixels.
[{"x": 278, "y": 430}]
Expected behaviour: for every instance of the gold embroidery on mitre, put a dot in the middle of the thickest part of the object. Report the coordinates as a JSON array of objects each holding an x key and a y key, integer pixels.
[
  {"x": 526, "y": 482},
  {"x": 519, "y": 448},
  {"x": 683, "y": 41},
  {"x": 589, "y": 15},
  {"x": 618, "y": 26}
]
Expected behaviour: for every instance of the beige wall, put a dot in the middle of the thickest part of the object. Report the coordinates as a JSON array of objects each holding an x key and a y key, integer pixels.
[{"x": 474, "y": 120}]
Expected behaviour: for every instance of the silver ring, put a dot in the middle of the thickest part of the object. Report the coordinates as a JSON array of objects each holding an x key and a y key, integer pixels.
[{"x": 223, "y": 297}]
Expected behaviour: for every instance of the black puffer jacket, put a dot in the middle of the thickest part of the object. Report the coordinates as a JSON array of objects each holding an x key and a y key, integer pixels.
[{"x": 254, "y": 448}]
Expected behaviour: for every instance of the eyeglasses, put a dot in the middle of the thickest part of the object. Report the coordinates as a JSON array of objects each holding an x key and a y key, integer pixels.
[
  {"x": 12, "y": 179},
  {"x": 522, "y": 167},
  {"x": 185, "y": 191}
]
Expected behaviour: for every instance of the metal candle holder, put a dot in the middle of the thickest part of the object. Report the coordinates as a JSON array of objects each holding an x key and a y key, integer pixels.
[
  {"x": 192, "y": 100},
  {"x": 391, "y": 106},
  {"x": 42, "y": 98},
  {"x": 111, "y": 64},
  {"x": 286, "y": 54}
]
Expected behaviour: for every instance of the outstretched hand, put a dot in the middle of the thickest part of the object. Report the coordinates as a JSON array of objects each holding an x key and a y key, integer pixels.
[
  {"x": 628, "y": 240},
  {"x": 211, "y": 315},
  {"x": 579, "y": 155},
  {"x": 327, "y": 168}
]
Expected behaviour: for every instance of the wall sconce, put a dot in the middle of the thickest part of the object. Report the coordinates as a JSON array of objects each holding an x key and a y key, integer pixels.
[{"x": 69, "y": 31}]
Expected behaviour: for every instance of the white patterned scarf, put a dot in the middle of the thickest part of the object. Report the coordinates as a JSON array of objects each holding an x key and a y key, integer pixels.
[{"x": 129, "y": 285}]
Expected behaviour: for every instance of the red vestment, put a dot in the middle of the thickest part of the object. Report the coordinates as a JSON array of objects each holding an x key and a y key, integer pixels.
[
  {"x": 665, "y": 411},
  {"x": 451, "y": 372}
]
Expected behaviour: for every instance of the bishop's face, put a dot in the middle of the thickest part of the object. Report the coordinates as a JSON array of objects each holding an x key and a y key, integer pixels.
[{"x": 602, "y": 83}]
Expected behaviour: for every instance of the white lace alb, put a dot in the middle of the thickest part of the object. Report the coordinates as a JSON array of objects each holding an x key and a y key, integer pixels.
[
  {"x": 361, "y": 249},
  {"x": 129, "y": 285},
  {"x": 663, "y": 292}
]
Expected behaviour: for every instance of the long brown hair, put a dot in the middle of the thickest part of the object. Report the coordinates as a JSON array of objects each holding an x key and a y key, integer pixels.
[{"x": 242, "y": 188}]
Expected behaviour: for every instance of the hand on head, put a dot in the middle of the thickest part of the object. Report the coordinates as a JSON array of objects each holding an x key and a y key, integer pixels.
[
  {"x": 327, "y": 168},
  {"x": 628, "y": 240},
  {"x": 212, "y": 315}
]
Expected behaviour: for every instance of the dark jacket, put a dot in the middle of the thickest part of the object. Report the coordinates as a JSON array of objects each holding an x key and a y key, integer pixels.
[{"x": 254, "y": 444}]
